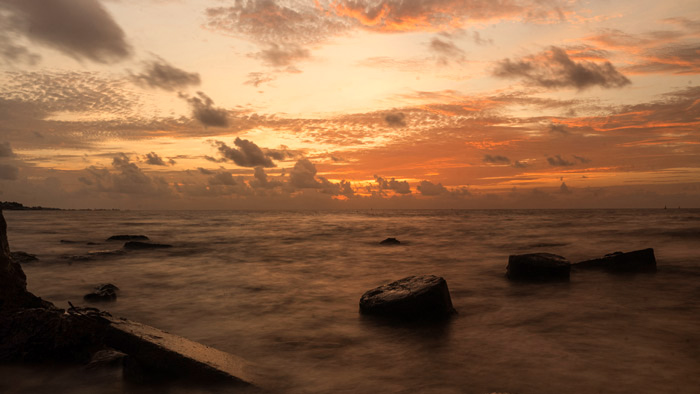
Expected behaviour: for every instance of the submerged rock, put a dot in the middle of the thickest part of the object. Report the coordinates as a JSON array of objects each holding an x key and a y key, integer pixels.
[
  {"x": 23, "y": 257},
  {"x": 538, "y": 267},
  {"x": 390, "y": 241},
  {"x": 145, "y": 245},
  {"x": 636, "y": 261},
  {"x": 128, "y": 238},
  {"x": 103, "y": 292},
  {"x": 423, "y": 297},
  {"x": 107, "y": 358}
]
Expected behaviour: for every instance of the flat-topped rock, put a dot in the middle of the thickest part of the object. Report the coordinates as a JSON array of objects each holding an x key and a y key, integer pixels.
[
  {"x": 145, "y": 245},
  {"x": 390, "y": 241},
  {"x": 423, "y": 297},
  {"x": 636, "y": 261},
  {"x": 126, "y": 237},
  {"x": 538, "y": 267},
  {"x": 154, "y": 353}
]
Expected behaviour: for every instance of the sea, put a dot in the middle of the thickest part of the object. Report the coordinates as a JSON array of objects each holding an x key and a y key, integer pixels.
[{"x": 281, "y": 289}]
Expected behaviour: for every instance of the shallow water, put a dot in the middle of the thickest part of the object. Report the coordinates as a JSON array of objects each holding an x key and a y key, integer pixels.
[{"x": 281, "y": 289}]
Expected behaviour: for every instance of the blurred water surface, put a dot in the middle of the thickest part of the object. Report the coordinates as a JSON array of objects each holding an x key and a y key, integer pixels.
[{"x": 281, "y": 289}]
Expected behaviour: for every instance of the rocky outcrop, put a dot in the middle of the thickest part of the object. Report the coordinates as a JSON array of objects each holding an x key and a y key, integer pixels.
[
  {"x": 423, "y": 297},
  {"x": 538, "y": 267},
  {"x": 33, "y": 330},
  {"x": 128, "y": 238},
  {"x": 390, "y": 241},
  {"x": 103, "y": 292},
  {"x": 23, "y": 257},
  {"x": 636, "y": 261},
  {"x": 13, "y": 282},
  {"x": 145, "y": 245}
]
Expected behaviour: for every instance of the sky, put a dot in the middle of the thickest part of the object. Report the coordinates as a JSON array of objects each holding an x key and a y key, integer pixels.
[{"x": 350, "y": 104}]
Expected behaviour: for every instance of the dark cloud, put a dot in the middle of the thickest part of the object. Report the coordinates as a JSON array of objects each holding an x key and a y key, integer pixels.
[
  {"x": 428, "y": 188},
  {"x": 277, "y": 55},
  {"x": 257, "y": 78},
  {"x": 8, "y": 172},
  {"x": 159, "y": 74},
  {"x": 558, "y": 128},
  {"x": 564, "y": 189},
  {"x": 496, "y": 159},
  {"x": 396, "y": 119},
  {"x": 269, "y": 21},
  {"x": 127, "y": 178},
  {"x": 446, "y": 51},
  {"x": 303, "y": 175},
  {"x": 282, "y": 154},
  {"x": 222, "y": 178},
  {"x": 6, "y": 150},
  {"x": 400, "y": 187},
  {"x": 82, "y": 29},
  {"x": 246, "y": 155},
  {"x": 557, "y": 161},
  {"x": 153, "y": 159},
  {"x": 204, "y": 111},
  {"x": 205, "y": 171},
  {"x": 261, "y": 180},
  {"x": 13, "y": 53},
  {"x": 582, "y": 159},
  {"x": 555, "y": 69}
]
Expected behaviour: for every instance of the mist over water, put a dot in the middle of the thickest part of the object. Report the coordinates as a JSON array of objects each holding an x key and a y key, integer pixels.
[{"x": 281, "y": 289}]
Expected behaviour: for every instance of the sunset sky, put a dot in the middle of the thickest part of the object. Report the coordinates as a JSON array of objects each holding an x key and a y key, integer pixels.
[{"x": 235, "y": 104}]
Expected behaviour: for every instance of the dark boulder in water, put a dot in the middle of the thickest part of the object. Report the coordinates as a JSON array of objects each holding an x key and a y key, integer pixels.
[
  {"x": 128, "y": 238},
  {"x": 390, "y": 241},
  {"x": 145, "y": 245},
  {"x": 538, "y": 267},
  {"x": 23, "y": 257},
  {"x": 423, "y": 297},
  {"x": 103, "y": 292},
  {"x": 636, "y": 261}
]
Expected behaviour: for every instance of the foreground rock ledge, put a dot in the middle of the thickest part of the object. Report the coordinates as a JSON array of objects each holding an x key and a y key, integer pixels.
[
  {"x": 423, "y": 297},
  {"x": 636, "y": 261},
  {"x": 538, "y": 267}
]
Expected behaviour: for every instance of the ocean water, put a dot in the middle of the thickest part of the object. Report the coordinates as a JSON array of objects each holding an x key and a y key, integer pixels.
[{"x": 281, "y": 289}]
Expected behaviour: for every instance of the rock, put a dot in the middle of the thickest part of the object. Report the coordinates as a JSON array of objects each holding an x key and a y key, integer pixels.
[
  {"x": 13, "y": 282},
  {"x": 107, "y": 358},
  {"x": 390, "y": 241},
  {"x": 156, "y": 355},
  {"x": 423, "y": 297},
  {"x": 636, "y": 261},
  {"x": 23, "y": 257},
  {"x": 144, "y": 245},
  {"x": 538, "y": 267},
  {"x": 103, "y": 292},
  {"x": 128, "y": 238},
  {"x": 50, "y": 334}
]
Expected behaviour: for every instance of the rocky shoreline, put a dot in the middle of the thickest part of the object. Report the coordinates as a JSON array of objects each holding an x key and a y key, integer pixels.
[{"x": 36, "y": 331}]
